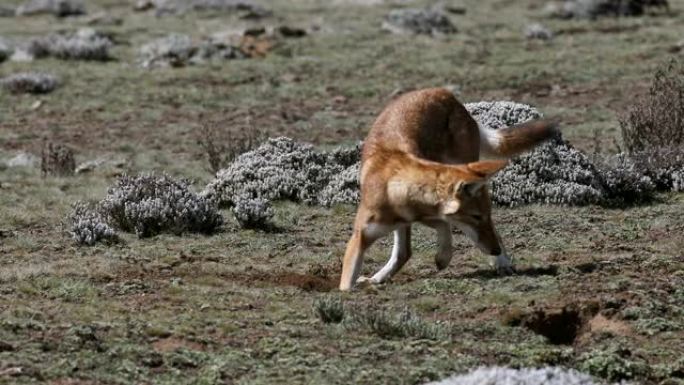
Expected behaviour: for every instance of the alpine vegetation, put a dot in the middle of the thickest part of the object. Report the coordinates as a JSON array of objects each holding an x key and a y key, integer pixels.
[
  {"x": 85, "y": 44},
  {"x": 59, "y": 8},
  {"x": 418, "y": 21},
  {"x": 176, "y": 50},
  {"x": 146, "y": 204},
  {"x": 656, "y": 120},
  {"x": 88, "y": 227},
  {"x": 525, "y": 376},
  {"x": 403, "y": 324},
  {"x": 150, "y": 204},
  {"x": 556, "y": 172},
  {"x": 57, "y": 160},
  {"x": 553, "y": 173},
  {"x": 665, "y": 167},
  {"x": 182, "y": 6},
  {"x": 29, "y": 83},
  {"x": 282, "y": 169}
]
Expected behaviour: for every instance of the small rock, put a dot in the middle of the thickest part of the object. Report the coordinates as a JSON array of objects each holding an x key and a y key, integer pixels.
[
  {"x": 288, "y": 31},
  {"x": 89, "y": 166},
  {"x": 36, "y": 105},
  {"x": 23, "y": 159},
  {"x": 13, "y": 371},
  {"x": 538, "y": 31},
  {"x": 104, "y": 18},
  {"x": 143, "y": 5},
  {"x": 21, "y": 55}
]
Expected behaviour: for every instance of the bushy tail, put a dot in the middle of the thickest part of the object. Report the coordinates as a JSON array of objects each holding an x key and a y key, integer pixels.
[{"x": 511, "y": 141}]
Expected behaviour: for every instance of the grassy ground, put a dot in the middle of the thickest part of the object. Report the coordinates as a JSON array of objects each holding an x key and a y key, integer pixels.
[{"x": 237, "y": 307}]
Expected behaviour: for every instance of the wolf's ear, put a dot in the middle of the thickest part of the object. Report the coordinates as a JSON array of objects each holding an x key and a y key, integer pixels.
[{"x": 486, "y": 168}]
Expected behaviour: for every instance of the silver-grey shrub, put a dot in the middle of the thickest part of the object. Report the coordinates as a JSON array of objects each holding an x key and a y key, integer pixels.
[
  {"x": 556, "y": 172},
  {"x": 149, "y": 204},
  {"x": 182, "y": 6},
  {"x": 281, "y": 169},
  {"x": 418, "y": 21},
  {"x": 664, "y": 165},
  {"x": 83, "y": 45},
  {"x": 177, "y": 50},
  {"x": 29, "y": 82},
  {"x": 525, "y": 376},
  {"x": 87, "y": 225}
]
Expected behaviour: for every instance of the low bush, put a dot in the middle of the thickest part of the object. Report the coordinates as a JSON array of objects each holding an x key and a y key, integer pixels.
[
  {"x": 656, "y": 121},
  {"x": 418, "y": 21},
  {"x": 88, "y": 227},
  {"x": 282, "y": 169},
  {"x": 150, "y": 204},
  {"x": 404, "y": 324},
  {"x": 85, "y": 44},
  {"x": 57, "y": 160},
  {"x": 146, "y": 204},
  {"x": 612, "y": 364},
  {"x": 176, "y": 50},
  {"x": 329, "y": 309},
  {"x": 30, "y": 83}
]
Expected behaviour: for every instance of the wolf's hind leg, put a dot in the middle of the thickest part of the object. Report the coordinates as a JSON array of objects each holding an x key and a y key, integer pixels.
[
  {"x": 401, "y": 252},
  {"x": 365, "y": 234}
]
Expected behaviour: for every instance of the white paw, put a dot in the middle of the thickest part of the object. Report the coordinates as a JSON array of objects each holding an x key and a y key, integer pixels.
[
  {"x": 367, "y": 281},
  {"x": 503, "y": 264}
]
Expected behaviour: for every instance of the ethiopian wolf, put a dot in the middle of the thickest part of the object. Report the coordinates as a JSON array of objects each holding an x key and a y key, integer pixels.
[{"x": 421, "y": 163}]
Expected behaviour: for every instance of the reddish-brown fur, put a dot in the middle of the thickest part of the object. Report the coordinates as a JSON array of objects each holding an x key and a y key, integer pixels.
[{"x": 420, "y": 163}]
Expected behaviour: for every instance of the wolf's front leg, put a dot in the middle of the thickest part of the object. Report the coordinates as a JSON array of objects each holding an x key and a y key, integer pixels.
[
  {"x": 488, "y": 240},
  {"x": 401, "y": 252},
  {"x": 446, "y": 250}
]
